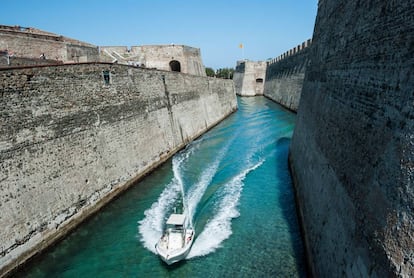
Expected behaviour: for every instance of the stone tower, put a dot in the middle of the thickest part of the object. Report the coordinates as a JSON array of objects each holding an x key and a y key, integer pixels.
[{"x": 249, "y": 78}]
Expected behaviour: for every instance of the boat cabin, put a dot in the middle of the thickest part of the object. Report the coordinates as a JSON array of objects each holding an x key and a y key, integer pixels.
[{"x": 176, "y": 221}]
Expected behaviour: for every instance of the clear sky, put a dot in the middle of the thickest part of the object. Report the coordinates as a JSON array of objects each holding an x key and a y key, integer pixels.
[{"x": 266, "y": 28}]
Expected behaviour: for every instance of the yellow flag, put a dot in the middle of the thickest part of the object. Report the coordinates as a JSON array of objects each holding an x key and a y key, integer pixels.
[{"x": 241, "y": 45}]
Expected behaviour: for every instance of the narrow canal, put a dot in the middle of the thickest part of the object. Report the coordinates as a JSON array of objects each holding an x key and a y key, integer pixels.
[{"x": 238, "y": 191}]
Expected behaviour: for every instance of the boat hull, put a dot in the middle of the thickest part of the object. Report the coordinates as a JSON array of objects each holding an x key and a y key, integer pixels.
[{"x": 171, "y": 256}]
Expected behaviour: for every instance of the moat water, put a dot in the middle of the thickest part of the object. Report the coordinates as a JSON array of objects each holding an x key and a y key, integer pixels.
[{"x": 238, "y": 191}]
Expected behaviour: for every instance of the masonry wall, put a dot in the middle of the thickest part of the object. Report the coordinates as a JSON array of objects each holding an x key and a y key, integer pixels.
[
  {"x": 156, "y": 56},
  {"x": 352, "y": 152},
  {"x": 69, "y": 142},
  {"x": 284, "y": 79},
  {"x": 249, "y": 78},
  {"x": 18, "y": 61},
  {"x": 238, "y": 76},
  {"x": 32, "y": 44}
]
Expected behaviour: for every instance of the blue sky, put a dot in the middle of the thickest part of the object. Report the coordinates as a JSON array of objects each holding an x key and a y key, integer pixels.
[{"x": 266, "y": 28}]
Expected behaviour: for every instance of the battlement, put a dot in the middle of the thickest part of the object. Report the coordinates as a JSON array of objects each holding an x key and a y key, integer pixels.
[{"x": 291, "y": 52}]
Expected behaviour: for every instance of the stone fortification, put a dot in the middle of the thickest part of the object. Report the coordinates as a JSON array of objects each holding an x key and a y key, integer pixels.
[
  {"x": 7, "y": 61},
  {"x": 249, "y": 78},
  {"x": 352, "y": 153},
  {"x": 172, "y": 57},
  {"x": 33, "y": 44},
  {"x": 74, "y": 136},
  {"x": 285, "y": 75}
]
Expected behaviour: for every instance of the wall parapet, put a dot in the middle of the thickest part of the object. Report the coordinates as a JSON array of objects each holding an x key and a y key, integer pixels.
[{"x": 291, "y": 52}]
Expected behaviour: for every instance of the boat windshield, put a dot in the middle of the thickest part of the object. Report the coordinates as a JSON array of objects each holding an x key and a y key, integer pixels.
[{"x": 175, "y": 228}]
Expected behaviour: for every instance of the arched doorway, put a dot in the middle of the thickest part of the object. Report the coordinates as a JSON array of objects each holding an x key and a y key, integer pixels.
[
  {"x": 175, "y": 66},
  {"x": 259, "y": 86}
]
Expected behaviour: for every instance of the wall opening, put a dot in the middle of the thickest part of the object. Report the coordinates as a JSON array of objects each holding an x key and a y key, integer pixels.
[
  {"x": 175, "y": 66},
  {"x": 107, "y": 77},
  {"x": 259, "y": 80}
]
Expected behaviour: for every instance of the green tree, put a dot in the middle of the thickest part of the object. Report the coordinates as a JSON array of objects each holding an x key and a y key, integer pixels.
[
  {"x": 210, "y": 72},
  {"x": 226, "y": 73}
]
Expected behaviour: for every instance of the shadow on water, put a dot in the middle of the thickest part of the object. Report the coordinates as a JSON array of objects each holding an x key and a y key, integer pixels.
[{"x": 287, "y": 202}]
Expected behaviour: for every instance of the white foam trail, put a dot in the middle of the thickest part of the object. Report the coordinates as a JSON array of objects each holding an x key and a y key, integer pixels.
[
  {"x": 151, "y": 227},
  {"x": 218, "y": 228},
  {"x": 197, "y": 191},
  {"x": 178, "y": 162}
]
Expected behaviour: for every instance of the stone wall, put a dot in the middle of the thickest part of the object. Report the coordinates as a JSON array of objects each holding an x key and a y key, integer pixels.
[
  {"x": 352, "y": 152},
  {"x": 249, "y": 78},
  {"x": 32, "y": 43},
  {"x": 285, "y": 75},
  {"x": 19, "y": 62},
  {"x": 74, "y": 136},
  {"x": 156, "y": 56},
  {"x": 284, "y": 79}
]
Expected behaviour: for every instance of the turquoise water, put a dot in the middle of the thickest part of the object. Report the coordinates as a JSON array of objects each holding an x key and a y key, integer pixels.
[{"x": 235, "y": 184}]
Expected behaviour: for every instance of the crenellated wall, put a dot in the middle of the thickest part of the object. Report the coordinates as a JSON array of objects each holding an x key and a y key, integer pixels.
[
  {"x": 285, "y": 75},
  {"x": 284, "y": 79},
  {"x": 73, "y": 136},
  {"x": 352, "y": 152}
]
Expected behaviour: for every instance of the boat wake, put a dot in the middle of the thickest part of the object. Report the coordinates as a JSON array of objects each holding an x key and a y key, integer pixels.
[
  {"x": 225, "y": 208},
  {"x": 151, "y": 227},
  {"x": 218, "y": 228}
]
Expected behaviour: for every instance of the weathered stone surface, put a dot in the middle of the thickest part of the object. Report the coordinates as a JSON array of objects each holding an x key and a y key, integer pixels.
[
  {"x": 249, "y": 78},
  {"x": 284, "y": 79},
  {"x": 156, "y": 56},
  {"x": 352, "y": 152},
  {"x": 69, "y": 141},
  {"x": 32, "y": 43}
]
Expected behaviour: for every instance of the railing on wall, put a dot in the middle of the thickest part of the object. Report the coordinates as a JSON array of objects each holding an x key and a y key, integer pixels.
[{"x": 291, "y": 52}]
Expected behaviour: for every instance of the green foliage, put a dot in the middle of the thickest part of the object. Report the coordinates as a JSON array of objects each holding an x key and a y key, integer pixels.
[
  {"x": 210, "y": 72},
  {"x": 226, "y": 73}
]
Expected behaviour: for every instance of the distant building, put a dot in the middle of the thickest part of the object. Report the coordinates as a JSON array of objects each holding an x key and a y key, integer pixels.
[
  {"x": 172, "y": 57},
  {"x": 249, "y": 78},
  {"x": 21, "y": 46},
  {"x": 32, "y": 44}
]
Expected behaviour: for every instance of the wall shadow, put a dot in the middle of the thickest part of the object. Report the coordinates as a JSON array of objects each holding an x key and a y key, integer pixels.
[{"x": 288, "y": 205}]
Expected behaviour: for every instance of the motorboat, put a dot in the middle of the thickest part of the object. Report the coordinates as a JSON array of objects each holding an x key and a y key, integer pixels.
[{"x": 176, "y": 241}]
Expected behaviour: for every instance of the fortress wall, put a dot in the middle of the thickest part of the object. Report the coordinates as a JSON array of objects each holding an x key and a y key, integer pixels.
[
  {"x": 157, "y": 57},
  {"x": 31, "y": 45},
  {"x": 81, "y": 54},
  {"x": 238, "y": 76},
  {"x": 194, "y": 63},
  {"x": 249, "y": 78},
  {"x": 284, "y": 78},
  {"x": 352, "y": 152},
  {"x": 18, "y": 61},
  {"x": 69, "y": 142}
]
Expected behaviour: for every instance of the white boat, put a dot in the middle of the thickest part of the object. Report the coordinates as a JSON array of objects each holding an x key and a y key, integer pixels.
[{"x": 175, "y": 243}]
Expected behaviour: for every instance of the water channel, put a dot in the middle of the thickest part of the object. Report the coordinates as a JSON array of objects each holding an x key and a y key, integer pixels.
[{"x": 239, "y": 194}]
